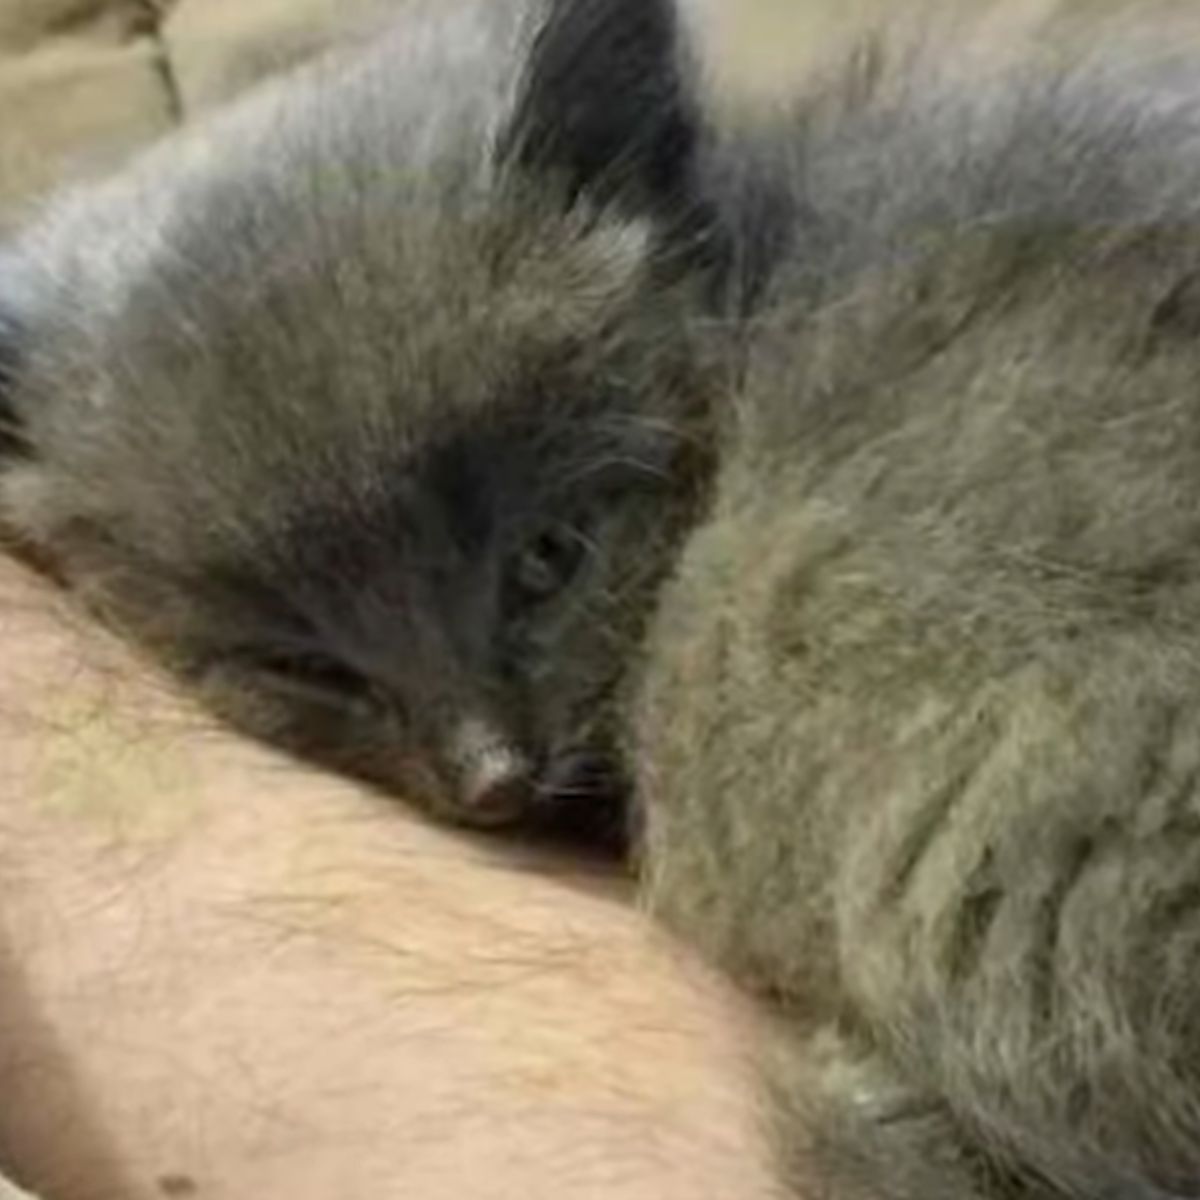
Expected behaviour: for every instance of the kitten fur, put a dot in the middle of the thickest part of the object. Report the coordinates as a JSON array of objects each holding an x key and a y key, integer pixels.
[
  {"x": 367, "y": 402},
  {"x": 918, "y": 735}
]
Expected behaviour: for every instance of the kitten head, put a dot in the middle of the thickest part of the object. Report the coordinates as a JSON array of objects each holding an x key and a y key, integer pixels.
[{"x": 390, "y": 462}]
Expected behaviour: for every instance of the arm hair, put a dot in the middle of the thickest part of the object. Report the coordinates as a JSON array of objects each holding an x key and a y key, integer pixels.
[{"x": 224, "y": 976}]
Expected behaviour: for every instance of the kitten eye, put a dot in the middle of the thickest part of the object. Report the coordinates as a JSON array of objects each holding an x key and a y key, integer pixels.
[
  {"x": 546, "y": 564},
  {"x": 318, "y": 676}
]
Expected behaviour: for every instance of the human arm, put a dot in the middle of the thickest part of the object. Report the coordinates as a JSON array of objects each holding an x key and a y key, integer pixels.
[{"x": 222, "y": 975}]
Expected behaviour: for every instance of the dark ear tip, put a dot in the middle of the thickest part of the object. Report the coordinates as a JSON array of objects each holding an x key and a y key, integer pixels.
[{"x": 603, "y": 101}]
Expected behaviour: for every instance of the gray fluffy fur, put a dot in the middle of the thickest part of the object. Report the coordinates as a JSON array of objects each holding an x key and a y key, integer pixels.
[
  {"x": 367, "y": 404},
  {"x": 919, "y": 736}
]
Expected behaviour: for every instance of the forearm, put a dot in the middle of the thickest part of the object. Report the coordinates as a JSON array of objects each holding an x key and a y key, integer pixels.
[{"x": 224, "y": 974}]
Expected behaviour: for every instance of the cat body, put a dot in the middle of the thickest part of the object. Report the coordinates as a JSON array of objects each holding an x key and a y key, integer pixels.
[{"x": 918, "y": 741}]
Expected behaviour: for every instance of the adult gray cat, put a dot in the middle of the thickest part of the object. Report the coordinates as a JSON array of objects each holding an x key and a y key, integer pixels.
[{"x": 919, "y": 738}]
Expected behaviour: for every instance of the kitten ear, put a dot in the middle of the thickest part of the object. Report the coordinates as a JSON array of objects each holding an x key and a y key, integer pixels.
[{"x": 604, "y": 102}]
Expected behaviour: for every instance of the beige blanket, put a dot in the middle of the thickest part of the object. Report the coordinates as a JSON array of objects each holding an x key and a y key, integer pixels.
[{"x": 83, "y": 83}]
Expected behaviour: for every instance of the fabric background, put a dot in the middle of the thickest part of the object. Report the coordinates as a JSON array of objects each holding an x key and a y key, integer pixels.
[{"x": 83, "y": 83}]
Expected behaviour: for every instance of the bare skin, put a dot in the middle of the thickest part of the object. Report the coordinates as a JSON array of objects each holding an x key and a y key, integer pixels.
[{"x": 225, "y": 977}]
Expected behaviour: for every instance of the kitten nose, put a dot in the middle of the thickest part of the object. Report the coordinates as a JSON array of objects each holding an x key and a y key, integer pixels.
[
  {"x": 499, "y": 790},
  {"x": 494, "y": 776}
]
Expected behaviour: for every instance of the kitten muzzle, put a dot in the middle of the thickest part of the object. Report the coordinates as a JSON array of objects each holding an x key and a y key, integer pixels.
[{"x": 493, "y": 777}]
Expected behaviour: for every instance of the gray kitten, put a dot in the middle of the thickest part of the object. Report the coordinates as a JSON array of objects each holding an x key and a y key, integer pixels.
[
  {"x": 368, "y": 403},
  {"x": 918, "y": 741}
]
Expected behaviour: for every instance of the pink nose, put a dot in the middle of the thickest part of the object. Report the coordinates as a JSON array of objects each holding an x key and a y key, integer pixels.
[
  {"x": 493, "y": 775},
  {"x": 498, "y": 800},
  {"x": 496, "y": 789}
]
